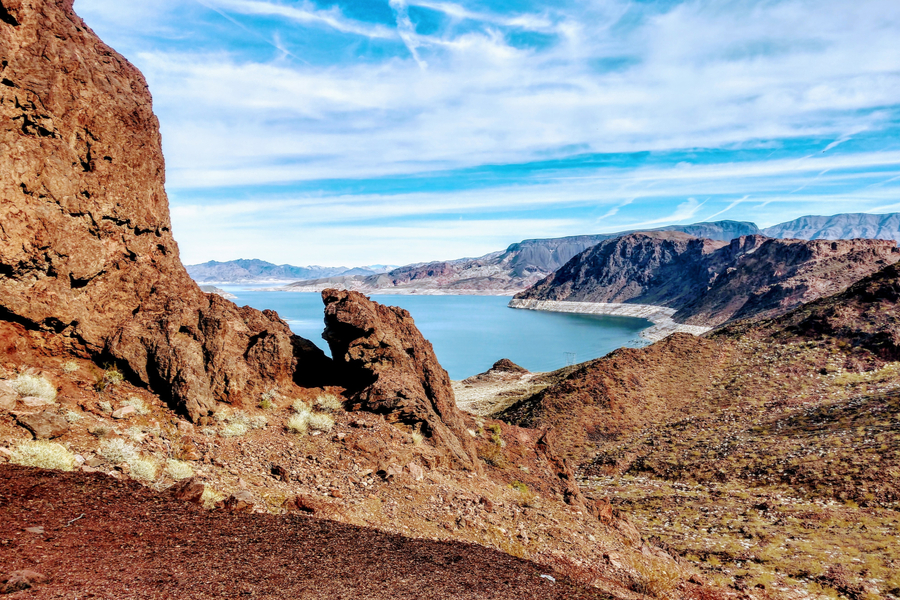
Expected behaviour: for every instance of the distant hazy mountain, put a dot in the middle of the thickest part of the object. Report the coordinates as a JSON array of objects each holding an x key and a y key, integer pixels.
[
  {"x": 506, "y": 272},
  {"x": 260, "y": 271},
  {"x": 839, "y": 227}
]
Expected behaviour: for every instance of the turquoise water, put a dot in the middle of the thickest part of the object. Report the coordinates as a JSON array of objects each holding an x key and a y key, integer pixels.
[{"x": 470, "y": 333}]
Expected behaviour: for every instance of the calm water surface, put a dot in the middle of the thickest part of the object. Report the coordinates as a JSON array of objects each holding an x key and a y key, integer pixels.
[{"x": 470, "y": 333}]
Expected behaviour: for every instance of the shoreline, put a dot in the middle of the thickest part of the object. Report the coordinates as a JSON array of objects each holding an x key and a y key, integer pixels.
[{"x": 660, "y": 316}]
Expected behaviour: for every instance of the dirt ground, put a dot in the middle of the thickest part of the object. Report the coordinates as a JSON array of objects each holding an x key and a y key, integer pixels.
[{"x": 96, "y": 537}]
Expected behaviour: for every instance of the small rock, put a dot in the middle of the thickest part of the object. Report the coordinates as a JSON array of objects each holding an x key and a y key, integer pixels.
[
  {"x": 96, "y": 461},
  {"x": 242, "y": 484},
  {"x": 417, "y": 472},
  {"x": 34, "y": 402},
  {"x": 87, "y": 469},
  {"x": 189, "y": 490},
  {"x": 46, "y": 425},
  {"x": 6, "y": 453},
  {"x": 79, "y": 459},
  {"x": 240, "y": 501},
  {"x": 184, "y": 427},
  {"x": 124, "y": 412},
  {"x": 8, "y": 396},
  {"x": 335, "y": 493},
  {"x": 280, "y": 472},
  {"x": 38, "y": 530},
  {"x": 21, "y": 580}
]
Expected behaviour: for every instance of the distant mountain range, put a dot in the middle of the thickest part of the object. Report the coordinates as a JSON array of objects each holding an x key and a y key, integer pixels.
[
  {"x": 260, "y": 271},
  {"x": 522, "y": 264},
  {"x": 525, "y": 263}
]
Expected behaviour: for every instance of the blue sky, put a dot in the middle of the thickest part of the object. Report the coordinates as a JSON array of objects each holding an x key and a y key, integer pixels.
[{"x": 367, "y": 131}]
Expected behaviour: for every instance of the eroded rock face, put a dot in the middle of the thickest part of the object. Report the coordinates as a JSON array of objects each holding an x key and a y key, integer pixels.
[
  {"x": 390, "y": 369},
  {"x": 86, "y": 247}
]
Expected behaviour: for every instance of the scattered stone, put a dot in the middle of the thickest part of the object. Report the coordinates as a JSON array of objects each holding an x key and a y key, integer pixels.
[
  {"x": 87, "y": 469},
  {"x": 6, "y": 453},
  {"x": 38, "y": 530},
  {"x": 35, "y": 402},
  {"x": 8, "y": 396},
  {"x": 189, "y": 490},
  {"x": 95, "y": 461},
  {"x": 281, "y": 473},
  {"x": 240, "y": 501},
  {"x": 21, "y": 580},
  {"x": 416, "y": 471},
  {"x": 124, "y": 412},
  {"x": 46, "y": 425},
  {"x": 184, "y": 427}
]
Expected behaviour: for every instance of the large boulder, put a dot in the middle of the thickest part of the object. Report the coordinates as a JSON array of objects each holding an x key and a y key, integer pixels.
[
  {"x": 390, "y": 369},
  {"x": 86, "y": 247}
]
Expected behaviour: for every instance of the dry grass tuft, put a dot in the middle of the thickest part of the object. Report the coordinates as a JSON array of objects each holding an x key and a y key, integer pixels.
[
  {"x": 36, "y": 386},
  {"x": 43, "y": 455}
]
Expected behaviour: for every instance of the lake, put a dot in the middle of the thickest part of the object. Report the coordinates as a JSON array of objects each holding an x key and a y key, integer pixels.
[{"x": 470, "y": 333}]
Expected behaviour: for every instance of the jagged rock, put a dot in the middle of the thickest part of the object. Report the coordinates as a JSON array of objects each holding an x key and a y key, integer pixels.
[
  {"x": 240, "y": 501},
  {"x": 87, "y": 250},
  {"x": 504, "y": 365},
  {"x": 389, "y": 368},
  {"x": 189, "y": 490},
  {"x": 21, "y": 580},
  {"x": 570, "y": 492},
  {"x": 45, "y": 425}
]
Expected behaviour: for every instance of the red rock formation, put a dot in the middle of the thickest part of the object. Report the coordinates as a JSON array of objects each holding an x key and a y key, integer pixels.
[
  {"x": 86, "y": 248},
  {"x": 390, "y": 369}
]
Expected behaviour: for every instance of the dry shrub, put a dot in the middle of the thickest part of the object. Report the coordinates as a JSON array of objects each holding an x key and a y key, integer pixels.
[
  {"x": 35, "y": 386},
  {"x": 43, "y": 455}
]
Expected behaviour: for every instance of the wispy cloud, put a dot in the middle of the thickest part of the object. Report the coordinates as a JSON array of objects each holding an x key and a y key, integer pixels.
[{"x": 462, "y": 85}]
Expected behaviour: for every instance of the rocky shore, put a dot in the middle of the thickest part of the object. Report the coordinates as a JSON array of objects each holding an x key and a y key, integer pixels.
[{"x": 660, "y": 316}]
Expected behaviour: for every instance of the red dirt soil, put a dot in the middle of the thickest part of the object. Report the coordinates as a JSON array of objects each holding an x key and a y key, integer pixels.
[{"x": 134, "y": 543}]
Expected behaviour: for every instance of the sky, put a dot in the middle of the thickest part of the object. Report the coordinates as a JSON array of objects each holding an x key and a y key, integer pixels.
[{"x": 357, "y": 132}]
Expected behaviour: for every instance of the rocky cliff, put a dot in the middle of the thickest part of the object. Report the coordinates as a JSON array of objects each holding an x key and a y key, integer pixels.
[
  {"x": 710, "y": 282},
  {"x": 86, "y": 247}
]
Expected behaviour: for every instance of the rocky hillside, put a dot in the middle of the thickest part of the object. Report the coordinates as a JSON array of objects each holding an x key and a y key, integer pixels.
[
  {"x": 86, "y": 250},
  {"x": 839, "y": 227},
  {"x": 515, "y": 269},
  {"x": 754, "y": 451},
  {"x": 117, "y": 367},
  {"x": 260, "y": 271},
  {"x": 711, "y": 282}
]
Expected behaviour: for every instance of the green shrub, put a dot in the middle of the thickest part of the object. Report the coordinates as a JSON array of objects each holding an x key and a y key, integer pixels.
[
  {"x": 31, "y": 385},
  {"x": 44, "y": 455}
]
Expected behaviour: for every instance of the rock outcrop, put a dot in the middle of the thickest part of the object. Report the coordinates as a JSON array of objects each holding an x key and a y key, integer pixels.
[
  {"x": 711, "y": 282},
  {"x": 390, "y": 369},
  {"x": 86, "y": 247}
]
